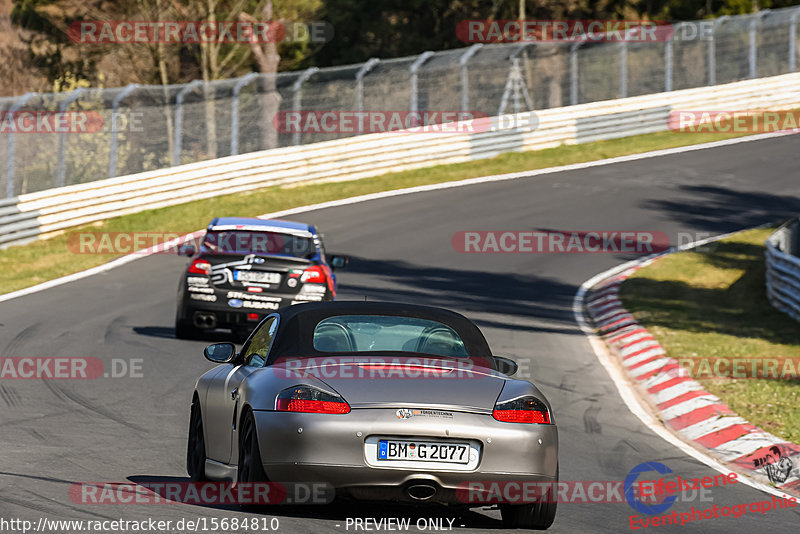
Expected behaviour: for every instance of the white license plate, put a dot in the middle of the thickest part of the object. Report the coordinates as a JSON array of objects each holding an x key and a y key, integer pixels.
[
  {"x": 424, "y": 451},
  {"x": 256, "y": 276}
]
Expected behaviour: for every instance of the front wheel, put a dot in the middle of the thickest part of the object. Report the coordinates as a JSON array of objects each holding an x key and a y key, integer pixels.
[{"x": 535, "y": 516}]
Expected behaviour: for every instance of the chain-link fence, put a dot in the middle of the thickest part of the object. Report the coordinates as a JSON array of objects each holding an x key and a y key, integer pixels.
[{"x": 140, "y": 128}]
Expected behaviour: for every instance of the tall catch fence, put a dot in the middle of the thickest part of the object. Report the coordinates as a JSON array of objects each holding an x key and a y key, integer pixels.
[{"x": 140, "y": 128}]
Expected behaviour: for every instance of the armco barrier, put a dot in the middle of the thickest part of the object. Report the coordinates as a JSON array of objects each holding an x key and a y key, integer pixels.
[
  {"x": 783, "y": 269},
  {"x": 41, "y": 214}
]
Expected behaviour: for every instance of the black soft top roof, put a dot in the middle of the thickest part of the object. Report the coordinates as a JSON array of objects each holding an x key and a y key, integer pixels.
[{"x": 296, "y": 329}]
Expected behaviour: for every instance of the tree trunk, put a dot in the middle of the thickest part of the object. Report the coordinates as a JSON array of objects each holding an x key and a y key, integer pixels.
[
  {"x": 208, "y": 62},
  {"x": 267, "y": 59}
]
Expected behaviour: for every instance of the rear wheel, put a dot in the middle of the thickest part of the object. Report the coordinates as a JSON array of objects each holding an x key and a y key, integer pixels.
[
  {"x": 250, "y": 470},
  {"x": 535, "y": 516},
  {"x": 196, "y": 446}
]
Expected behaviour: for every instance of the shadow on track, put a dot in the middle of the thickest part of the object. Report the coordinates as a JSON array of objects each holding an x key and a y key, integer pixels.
[
  {"x": 523, "y": 296},
  {"x": 713, "y": 208}
]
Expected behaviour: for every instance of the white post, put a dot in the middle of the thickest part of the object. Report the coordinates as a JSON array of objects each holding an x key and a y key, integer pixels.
[
  {"x": 112, "y": 152},
  {"x": 10, "y": 152},
  {"x": 297, "y": 101},
  {"x": 414, "y": 71},
  {"x": 176, "y": 156},
  {"x": 712, "y": 50},
  {"x": 62, "y": 150},
  {"x": 753, "y": 44},
  {"x": 363, "y": 71},
  {"x": 244, "y": 81},
  {"x": 463, "y": 60},
  {"x": 793, "y": 40}
]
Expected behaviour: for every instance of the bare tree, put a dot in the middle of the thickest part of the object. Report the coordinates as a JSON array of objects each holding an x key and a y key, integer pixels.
[{"x": 267, "y": 58}]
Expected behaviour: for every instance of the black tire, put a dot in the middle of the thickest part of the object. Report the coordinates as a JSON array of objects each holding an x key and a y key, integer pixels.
[
  {"x": 196, "y": 446},
  {"x": 184, "y": 330},
  {"x": 250, "y": 469},
  {"x": 535, "y": 516}
]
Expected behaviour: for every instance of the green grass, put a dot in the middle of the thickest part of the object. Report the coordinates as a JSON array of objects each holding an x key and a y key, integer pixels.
[
  {"x": 27, "y": 265},
  {"x": 711, "y": 303}
]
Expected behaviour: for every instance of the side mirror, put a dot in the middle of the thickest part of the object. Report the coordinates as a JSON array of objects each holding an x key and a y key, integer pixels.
[
  {"x": 187, "y": 250},
  {"x": 338, "y": 262},
  {"x": 220, "y": 352},
  {"x": 507, "y": 366}
]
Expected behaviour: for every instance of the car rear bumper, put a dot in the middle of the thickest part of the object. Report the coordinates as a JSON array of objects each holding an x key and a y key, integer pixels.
[
  {"x": 317, "y": 448},
  {"x": 221, "y": 314}
]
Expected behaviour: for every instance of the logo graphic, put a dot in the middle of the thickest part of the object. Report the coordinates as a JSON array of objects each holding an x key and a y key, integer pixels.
[
  {"x": 404, "y": 413},
  {"x": 235, "y": 303},
  {"x": 777, "y": 466},
  {"x": 630, "y": 485}
]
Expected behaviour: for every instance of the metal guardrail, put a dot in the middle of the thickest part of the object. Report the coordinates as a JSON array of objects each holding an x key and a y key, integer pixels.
[
  {"x": 783, "y": 269},
  {"x": 151, "y": 127},
  {"x": 44, "y": 213}
]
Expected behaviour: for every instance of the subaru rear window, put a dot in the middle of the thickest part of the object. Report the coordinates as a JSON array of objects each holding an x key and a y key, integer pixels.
[{"x": 247, "y": 242}]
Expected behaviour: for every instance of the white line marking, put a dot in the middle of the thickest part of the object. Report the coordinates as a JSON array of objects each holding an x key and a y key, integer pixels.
[
  {"x": 656, "y": 380},
  {"x": 744, "y": 445},
  {"x": 709, "y": 426},
  {"x": 636, "y": 338},
  {"x": 608, "y": 315},
  {"x": 632, "y": 348},
  {"x": 616, "y": 318},
  {"x": 690, "y": 405},
  {"x": 652, "y": 366},
  {"x": 639, "y": 358},
  {"x": 614, "y": 338},
  {"x": 676, "y": 391}
]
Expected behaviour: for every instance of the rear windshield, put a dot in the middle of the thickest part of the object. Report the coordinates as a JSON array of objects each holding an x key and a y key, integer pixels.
[
  {"x": 377, "y": 333},
  {"x": 247, "y": 242}
]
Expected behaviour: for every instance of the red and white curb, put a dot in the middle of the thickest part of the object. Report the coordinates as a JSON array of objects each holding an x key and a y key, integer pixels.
[{"x": 681, "y": 403}]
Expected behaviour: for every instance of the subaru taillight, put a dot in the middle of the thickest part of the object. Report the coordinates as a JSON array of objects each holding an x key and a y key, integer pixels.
[
  {"x": 314, "y": 275},
  {"x": 199, "y": 266},
  {"x": 522, "y": 410},
  {"x": 308, "y": 399}
]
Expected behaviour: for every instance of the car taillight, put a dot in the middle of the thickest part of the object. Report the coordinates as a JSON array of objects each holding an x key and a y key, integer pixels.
[
  {"x": 307, "y": 399},
  {"x": 522, "y": 410},
  {"x": 199, "y": 266},
  {"x": 314, "y": 275}
]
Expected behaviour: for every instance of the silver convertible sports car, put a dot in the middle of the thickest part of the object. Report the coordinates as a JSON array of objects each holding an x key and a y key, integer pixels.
[{"x": 379, "y": 401}]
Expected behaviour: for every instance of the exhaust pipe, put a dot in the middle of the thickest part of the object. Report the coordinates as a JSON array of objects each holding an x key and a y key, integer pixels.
[
  {"x": 421, "y": 492},
  {"x": 205, "y": 320}
]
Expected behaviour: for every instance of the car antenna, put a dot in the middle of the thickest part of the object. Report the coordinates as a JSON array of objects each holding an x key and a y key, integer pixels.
[{"x": 365, "y": 298}]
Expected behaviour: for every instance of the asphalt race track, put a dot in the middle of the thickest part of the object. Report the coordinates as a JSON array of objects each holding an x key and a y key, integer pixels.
[{"x": 55, "y": 433}]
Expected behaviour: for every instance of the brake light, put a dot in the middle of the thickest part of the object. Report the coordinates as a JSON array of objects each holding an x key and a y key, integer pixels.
[
  {"x": 314, "y": 275},
  {"x": 307, "y": 399},
  {"x": 522, "y": 410},
  {"x": 199, "y": 266}
]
